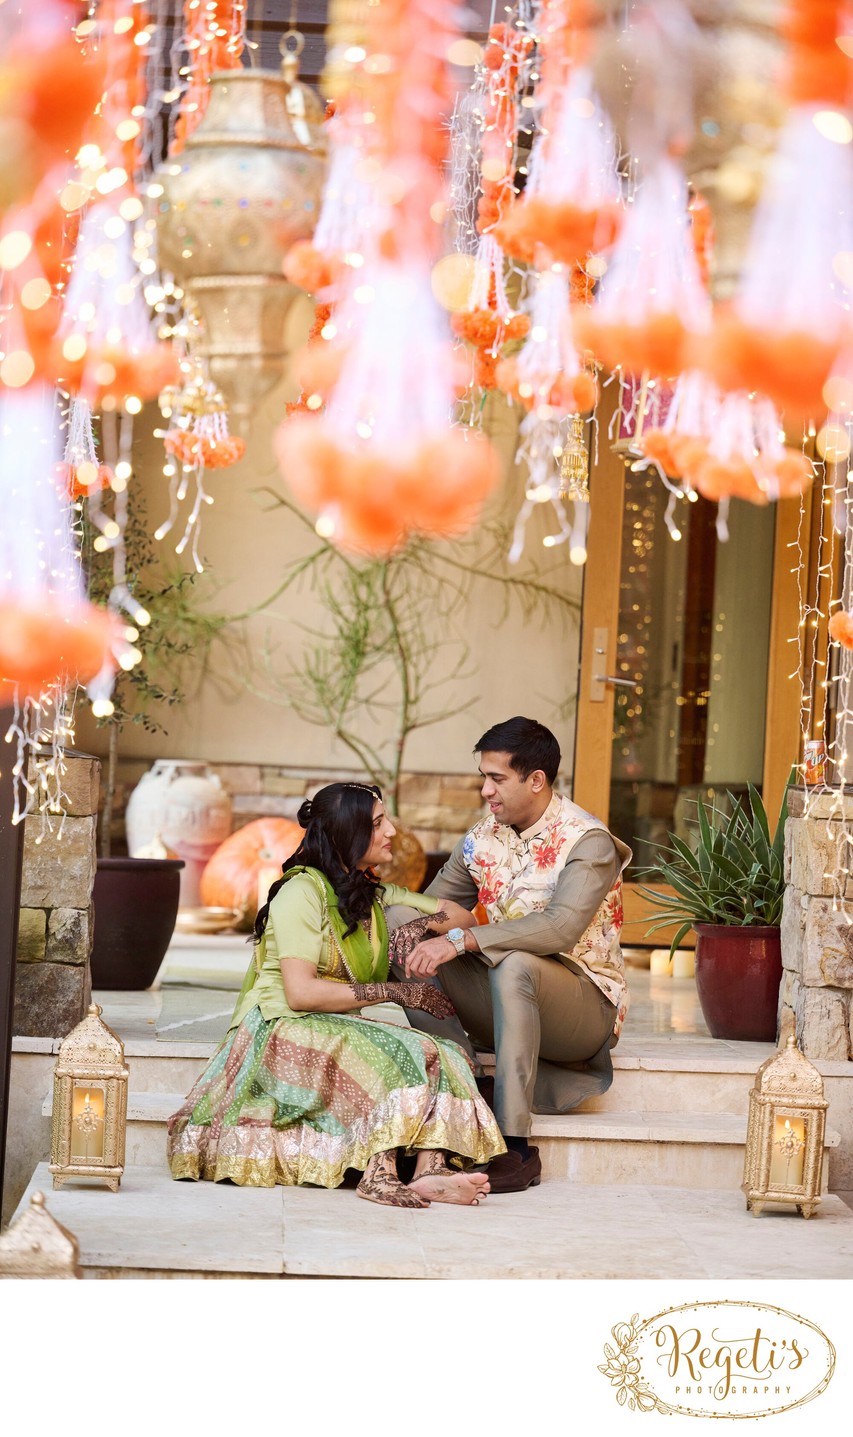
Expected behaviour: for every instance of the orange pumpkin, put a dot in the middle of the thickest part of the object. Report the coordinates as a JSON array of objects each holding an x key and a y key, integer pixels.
[{"x": 230, "y": 879}]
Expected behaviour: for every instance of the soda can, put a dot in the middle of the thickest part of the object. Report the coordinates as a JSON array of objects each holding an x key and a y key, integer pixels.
[{"x": 814, "y": 762}]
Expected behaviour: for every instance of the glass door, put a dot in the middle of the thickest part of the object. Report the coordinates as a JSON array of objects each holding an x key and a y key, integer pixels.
[{"x": 684, "y": 691}]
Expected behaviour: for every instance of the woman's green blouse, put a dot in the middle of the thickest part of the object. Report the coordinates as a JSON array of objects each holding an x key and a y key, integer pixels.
[{"x": 297, "y": 928}]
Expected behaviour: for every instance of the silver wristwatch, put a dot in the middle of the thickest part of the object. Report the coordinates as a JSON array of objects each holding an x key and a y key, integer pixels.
[{"x": 457, "y": 938}]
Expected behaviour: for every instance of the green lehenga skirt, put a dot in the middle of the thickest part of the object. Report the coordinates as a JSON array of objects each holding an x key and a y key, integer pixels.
[{"x": 300, "y": 1100}]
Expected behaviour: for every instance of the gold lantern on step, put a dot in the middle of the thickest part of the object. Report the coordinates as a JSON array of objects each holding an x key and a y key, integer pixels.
[
  {"x": 89, "y": 1105},
  {"x": 244, "y": 189},
  {"x": 35, "y": 1245},
  {"x": 783, "y": 1162}
]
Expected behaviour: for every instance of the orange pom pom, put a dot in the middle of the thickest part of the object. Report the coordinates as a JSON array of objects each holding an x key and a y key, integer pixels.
[
  {"x": 841, "y": 628},
  {"x": 485, "y": 329},
  {"x": 193, "y": 449},
  {"x": 307, "y": 267},
  {"x": 563, "y": 230},
  {"x": 78, "y": 481},
  {"x": 794, "y": 473},
  {"x": 660, "y": 344},
  {"x": 43, "y": 644},
  {"x": 728, "y": 479},
  {"x": 689, "y": 454},
  {"x": 569, "y": 393},
  {"x": 655, "y": 444},
  {"x": 322, "y": 315},
  {"x": 113, "y": 374},
  {"x": 485, "y": 369},
  {"x": 310, "y": 462},
  {"x": 791, "y": 366},
  {"x": 369, "y": 522},
  {"x": 317, "y": 367},
  {"x": 442, "y": 491}
]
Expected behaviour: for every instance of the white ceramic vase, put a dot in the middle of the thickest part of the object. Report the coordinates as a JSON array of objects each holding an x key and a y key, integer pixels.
[{"x": 183, "y": 806}]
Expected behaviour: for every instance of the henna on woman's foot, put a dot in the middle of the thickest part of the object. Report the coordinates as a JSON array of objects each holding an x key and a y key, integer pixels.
[
  {"x": 432, "y": 1163},
  {"x": 465, "y": 1189},
  {"x": 382, "y": 1185}
]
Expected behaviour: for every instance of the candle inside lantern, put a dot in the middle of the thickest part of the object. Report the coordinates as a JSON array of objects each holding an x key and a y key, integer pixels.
[
  {"x": 268, "y": 873},
  {"x": 789, "y": 1152},
  {"x": 88, "y": 1106}
]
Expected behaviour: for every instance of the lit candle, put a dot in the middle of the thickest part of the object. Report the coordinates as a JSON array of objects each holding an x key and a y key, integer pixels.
[
  {"x": 789, "y": 1153},
  {"x": 683, "y": 963},
  {"x": 88, "y": 1105},
  {"x": 660, "y": 963}
]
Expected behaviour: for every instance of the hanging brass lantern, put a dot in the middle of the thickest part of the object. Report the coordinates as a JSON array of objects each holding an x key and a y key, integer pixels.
[
  {"x": 245, "y": 188},
  {"x": 574, "y": 463}
]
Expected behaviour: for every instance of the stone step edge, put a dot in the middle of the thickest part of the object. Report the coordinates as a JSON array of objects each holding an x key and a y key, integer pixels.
[
  {"x": 701, "y": 1066},
  {"x": 716, "y": 1128}
]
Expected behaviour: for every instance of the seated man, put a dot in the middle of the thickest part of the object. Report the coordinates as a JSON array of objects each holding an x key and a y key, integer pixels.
[{"x": 543, "y": 981}]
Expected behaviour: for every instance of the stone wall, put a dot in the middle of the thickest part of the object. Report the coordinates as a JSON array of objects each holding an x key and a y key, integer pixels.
[
  {"x": 438, "y": 808},
  {"x": 816, "y": 997},
  {"x": 52, "y": 987}
]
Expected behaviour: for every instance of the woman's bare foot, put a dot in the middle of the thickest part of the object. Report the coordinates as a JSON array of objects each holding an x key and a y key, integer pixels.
[
  {"x": 432, "y": 1162},
  {"x": 464, "y": 1188},
  {"x": 381, "y": 1184}
]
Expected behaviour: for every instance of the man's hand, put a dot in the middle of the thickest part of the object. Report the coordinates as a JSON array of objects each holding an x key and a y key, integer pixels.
[{"x": 429, "y": 955}]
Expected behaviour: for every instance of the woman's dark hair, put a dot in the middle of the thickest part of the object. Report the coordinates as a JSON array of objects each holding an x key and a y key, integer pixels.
[
  {"x": 530, "y": 745},
  {"x": 338, "y": 823}
]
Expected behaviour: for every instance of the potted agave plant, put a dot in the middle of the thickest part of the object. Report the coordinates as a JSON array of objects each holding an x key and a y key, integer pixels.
[{"x": 728, "y": 886}]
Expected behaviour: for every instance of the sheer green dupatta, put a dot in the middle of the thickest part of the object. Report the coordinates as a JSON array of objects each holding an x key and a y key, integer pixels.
[{"x": 356, "y": 949}]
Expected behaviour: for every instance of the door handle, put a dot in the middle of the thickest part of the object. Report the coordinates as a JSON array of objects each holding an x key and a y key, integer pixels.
[{"x": 598, "y": 683}]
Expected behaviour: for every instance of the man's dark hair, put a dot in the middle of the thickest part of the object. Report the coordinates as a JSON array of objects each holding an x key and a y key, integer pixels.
[{"x": 530, "y": 745}]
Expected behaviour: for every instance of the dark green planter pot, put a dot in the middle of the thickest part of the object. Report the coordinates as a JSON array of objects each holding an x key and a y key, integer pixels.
[
  {"x": 136, "y": 904},
  {"x": 738, "y": 976}
]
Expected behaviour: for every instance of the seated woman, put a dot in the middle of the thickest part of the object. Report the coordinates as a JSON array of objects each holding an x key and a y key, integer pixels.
[{"x": 314, "y": 1076}]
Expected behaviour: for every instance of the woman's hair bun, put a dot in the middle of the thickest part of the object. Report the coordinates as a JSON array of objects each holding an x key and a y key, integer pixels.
[{"x": 303, "y": 817}]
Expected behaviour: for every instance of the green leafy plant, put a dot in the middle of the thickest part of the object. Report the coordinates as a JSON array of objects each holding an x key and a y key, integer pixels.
[
  {"x": 391, "y": 656},
  {"x": 733, "y": 875}
]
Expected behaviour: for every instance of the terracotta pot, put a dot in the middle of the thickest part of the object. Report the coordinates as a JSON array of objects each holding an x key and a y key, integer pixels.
[
  {"x": 136, "y": 904},
  {"x": 738, "y": 975}
]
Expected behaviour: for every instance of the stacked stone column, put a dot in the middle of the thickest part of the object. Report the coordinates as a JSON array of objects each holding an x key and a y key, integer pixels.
[
  {"x": 52, "y": 982},
  {"x": 816, "y": 997}
]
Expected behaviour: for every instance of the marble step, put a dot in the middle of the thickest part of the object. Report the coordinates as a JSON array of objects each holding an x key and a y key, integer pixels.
[
  {"x": 647, "y": 1080},
  {"x": 669, "y": 1149},
  {"x": 155, "y": 1228}
]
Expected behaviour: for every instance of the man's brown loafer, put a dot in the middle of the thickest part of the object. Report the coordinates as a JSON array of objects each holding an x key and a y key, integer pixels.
[{"x": 509, "y": 1173}]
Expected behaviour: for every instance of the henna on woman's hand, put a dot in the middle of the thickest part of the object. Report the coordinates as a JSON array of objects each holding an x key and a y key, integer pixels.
[
  {"x": 410, "y": 995},
  {"x": 373, "y": 992},
  {"x": 425, "y": 997}
]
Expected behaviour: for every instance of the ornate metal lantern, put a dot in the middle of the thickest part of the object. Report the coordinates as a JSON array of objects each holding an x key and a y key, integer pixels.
[
  {"x": 785, "y": 1133},
  {"x": 245, "y": 188},
  {"x": 574, "y": 463},
  {"x": 89, "y": 1104},
  {"x": 36, "y": 1245}
]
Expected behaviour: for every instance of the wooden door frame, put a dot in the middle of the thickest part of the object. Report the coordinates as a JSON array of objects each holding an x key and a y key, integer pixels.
[{"x": 600, "y": 610}]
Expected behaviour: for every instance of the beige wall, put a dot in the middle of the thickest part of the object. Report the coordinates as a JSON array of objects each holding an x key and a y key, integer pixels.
[{"x": 515, "y": 664}]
